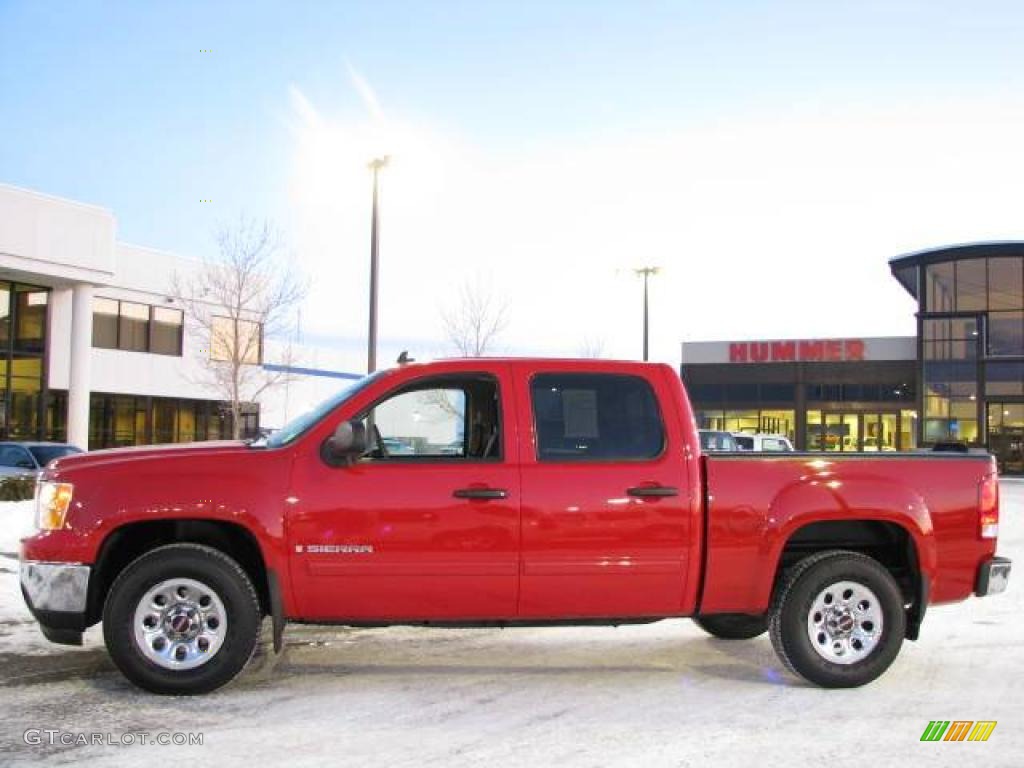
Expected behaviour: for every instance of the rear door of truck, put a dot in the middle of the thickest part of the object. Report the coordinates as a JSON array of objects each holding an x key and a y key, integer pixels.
[{"x": 607, "y": 526}]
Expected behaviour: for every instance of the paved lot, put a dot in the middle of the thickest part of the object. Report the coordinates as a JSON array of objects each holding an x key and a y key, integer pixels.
[{"x": 655, "y": 695}]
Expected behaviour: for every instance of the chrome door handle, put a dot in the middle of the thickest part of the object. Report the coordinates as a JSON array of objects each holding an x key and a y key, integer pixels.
[
  {"x": 480, "y": 493},
  {"x": 656, "y": 491}
]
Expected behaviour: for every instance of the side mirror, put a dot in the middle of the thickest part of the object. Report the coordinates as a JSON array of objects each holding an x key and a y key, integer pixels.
[{"x": 346, "y": 445}]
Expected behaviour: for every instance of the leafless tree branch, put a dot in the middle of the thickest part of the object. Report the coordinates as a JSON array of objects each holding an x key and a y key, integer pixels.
[
  {"x": 235, "y": 302},
  {"x": 473, "y": 325}
]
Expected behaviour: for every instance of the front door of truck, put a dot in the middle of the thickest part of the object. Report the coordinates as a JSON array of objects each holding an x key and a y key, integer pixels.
[
  {"x": 606, "y": 520},
  {"x": 426, "y": 524}
]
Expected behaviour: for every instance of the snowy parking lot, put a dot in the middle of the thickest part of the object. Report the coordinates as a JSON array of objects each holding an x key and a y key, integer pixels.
[{"x": 662, "y": 694}]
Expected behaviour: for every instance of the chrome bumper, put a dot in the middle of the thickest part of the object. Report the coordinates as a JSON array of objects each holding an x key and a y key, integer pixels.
[
  {"x": 993, "y": 576},
  {"x": 55, "y": 587}
]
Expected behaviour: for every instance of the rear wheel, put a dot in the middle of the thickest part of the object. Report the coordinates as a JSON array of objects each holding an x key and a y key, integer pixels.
[
  {"x": 733, "y": 626},
  {"x": 181, "y": 619},
  {"x": 838, "y": 619}
]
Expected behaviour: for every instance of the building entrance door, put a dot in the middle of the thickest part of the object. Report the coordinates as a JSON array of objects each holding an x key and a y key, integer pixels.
[
  {"x": 851, "y": 432},
  {"x": 880, "y": 431}
]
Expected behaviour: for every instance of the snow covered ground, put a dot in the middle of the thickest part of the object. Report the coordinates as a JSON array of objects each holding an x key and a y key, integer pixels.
[{"x": 656, "y": 695}]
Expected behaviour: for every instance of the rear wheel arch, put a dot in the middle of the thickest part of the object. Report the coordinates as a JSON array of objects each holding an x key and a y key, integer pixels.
[
  {"x": 127, "y": 542},
  {"x": 895, "y": 546}
]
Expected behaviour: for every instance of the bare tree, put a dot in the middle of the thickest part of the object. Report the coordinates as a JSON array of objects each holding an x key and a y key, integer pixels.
[
  {"x": 592, "y": 346},
  {"x": 473, "y": 325},
  {"x": 237, "y": 300}
]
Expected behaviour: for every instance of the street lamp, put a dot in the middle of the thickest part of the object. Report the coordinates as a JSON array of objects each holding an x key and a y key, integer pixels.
[
  {"x": 646, "y": 273},
  {"x": 371, "y": 353}
]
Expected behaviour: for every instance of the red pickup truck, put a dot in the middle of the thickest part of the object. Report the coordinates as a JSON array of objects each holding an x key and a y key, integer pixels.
[{"x": 492, "y": 492}]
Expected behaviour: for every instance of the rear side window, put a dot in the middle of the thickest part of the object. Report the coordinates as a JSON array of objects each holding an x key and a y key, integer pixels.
[{"x": 595, "y": 417}]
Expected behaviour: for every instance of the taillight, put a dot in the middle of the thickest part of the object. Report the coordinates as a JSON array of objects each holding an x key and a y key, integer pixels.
[{"x": 988, "y": 506}]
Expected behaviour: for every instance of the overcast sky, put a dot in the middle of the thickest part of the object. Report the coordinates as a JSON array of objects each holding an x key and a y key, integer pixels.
[{"x": 769, "y": 156}]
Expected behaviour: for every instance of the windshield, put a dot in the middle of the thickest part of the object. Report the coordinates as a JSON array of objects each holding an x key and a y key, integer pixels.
[
  {"x": 44, "y": 454},
  {"x": 301, "y": 424}
]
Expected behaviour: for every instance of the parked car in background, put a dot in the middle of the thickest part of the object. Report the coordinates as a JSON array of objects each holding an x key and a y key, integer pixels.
[
  {"x": 29, "y": 458},
  {"x": 760, "y": 442},
  {"x": 712, "y": 440}
]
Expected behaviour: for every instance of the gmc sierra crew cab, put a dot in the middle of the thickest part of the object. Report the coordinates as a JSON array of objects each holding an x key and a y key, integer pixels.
[{"x": 491, "y": 492}]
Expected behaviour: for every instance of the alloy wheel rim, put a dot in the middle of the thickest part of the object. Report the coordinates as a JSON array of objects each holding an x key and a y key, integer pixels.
[
  {"x": 845, "y": 622},
  {"x": 180, "y": 624}
]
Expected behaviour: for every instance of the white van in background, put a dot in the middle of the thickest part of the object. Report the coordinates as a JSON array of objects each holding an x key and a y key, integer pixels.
[{"x": 748, "y": 442}]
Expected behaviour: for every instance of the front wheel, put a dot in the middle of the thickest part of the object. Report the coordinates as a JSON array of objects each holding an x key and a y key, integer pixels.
[
  {"x": 838, "y": 620},
  {"x": 733, "y": 626},
  {"x": 181, "y": 619}
]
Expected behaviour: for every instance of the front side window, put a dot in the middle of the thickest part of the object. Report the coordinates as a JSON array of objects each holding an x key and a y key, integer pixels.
[
  {"x": 449, "y": 419},
  {"x": 104, "y": 323},
  {"x": 428, "y": 422},
  {"x": 595, "y": 417}
]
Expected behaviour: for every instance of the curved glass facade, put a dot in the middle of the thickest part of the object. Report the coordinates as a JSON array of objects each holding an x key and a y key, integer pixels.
[{"x": 971, "y": 342}]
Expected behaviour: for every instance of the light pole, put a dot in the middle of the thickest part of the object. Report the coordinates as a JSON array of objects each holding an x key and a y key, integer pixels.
[
  {"x": 371, "y": 352},
  {"x": 646, "y": 273}
]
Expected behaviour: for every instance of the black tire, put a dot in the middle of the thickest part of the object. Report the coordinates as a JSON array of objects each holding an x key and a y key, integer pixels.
[
  {"x": 733, "y": 626},
  {"x": 212, "y": 568},
  {"x": 792, "y": 610}
]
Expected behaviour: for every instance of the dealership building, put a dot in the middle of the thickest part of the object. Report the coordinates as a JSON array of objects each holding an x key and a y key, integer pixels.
[
  {"x": 96, "y": 349},
  {"x": 960, "y": 379}
]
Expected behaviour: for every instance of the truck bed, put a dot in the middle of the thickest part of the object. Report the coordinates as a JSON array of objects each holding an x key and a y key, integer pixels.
[{"x": 757, "y": 502}]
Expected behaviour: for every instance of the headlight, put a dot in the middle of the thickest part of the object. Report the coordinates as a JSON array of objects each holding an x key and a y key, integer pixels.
[{"x": 52, "y": 502}]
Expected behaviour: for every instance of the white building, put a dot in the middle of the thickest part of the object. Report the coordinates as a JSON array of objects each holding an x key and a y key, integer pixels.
[{"x": 95, "y": 350}]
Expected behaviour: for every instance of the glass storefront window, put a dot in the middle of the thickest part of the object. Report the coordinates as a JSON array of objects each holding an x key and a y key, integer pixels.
[
  {"x": 908, "y": 430},
  {"x": 1006, "y": 435},
  {"x": 187, "y": 422},
  {"x": 134, "y": 327},
  {"x": 971, "y": 285},
  {"x": 167, "y": 324},
  {"x": 950, "y": 379},
  {"x": 1005, "y": 333},
  {"x": 5, "y": 314},
  {"x": 29, "y": 318},
  {"x": 1006, "y": 283},
  {"x": 224, "y": 338},
  {"x": 23, "y": 314},
  {"x": 104, "y": 323},
  {"x": 939, "y": 287},
  {"x": 814, "y": 431},
  {"x": 778, "y": 423},
  {"x": 741, "y": 421},
  {"x": 1004, "y": 379},
  {"x": 710, "y": 420},
  {"x": 165, "y": 421}
]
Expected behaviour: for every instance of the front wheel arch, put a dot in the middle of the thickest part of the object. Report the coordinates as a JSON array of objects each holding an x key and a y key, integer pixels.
[{"x": 127, "y": 542}]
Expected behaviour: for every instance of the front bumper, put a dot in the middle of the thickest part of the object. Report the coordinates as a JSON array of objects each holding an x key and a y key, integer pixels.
[
  {"x": 57, "y": 595},
  {"x": 993, "y": 576}
]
